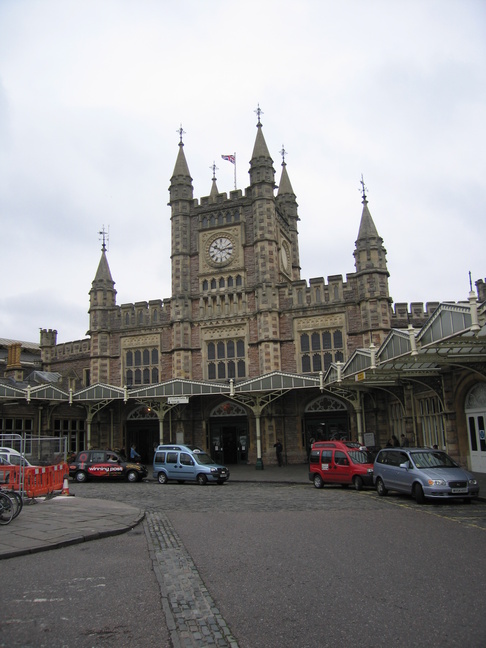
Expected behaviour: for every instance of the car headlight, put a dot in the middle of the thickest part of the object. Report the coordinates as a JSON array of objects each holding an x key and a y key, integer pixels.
[
  {"x": 370, "y": 471},
  {"x": 214, "y": 470},
  {"x": 437, "y": 482},
  {"x": 473, "y": 482}
]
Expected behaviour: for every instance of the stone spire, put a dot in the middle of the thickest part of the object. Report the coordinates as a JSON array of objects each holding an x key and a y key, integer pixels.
[
  {"x": 181, "y": 181},
  {"x": 214, "y": 187},
  {"x": 261, "y": 164}
]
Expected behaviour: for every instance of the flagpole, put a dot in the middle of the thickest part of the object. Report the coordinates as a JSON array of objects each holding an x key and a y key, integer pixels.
[{"x": 235, "y": 170}]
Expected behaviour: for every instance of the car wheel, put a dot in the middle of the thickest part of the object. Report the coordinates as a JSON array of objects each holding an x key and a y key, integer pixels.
[
  {"x": 132, "y": 476},
  {"x": 380, "y": 487},
  {"x": 418, "y": 494},
  {"x": 162, "y": 478},
  {"x": 81, "y": 477},
  {"x": 358, "y": 483},
  {"x": 202, "y": 480},
  {"x": 180, "y": 481},
  {"x": 318, "y": 483}
]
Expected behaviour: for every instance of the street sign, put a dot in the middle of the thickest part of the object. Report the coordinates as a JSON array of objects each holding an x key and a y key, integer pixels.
[{"x": 178, "y": 400}]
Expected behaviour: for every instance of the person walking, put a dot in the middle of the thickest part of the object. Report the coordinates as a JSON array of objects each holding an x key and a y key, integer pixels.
[
  {"x": 134, "y": 456},
  {"x": 278, "y": 451}
]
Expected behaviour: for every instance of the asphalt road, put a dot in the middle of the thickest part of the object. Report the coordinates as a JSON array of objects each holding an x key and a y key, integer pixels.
[{"x": 287, "y": 566}]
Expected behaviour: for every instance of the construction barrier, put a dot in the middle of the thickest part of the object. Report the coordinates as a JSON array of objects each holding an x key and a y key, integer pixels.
[{"x": 38, "y": 480}]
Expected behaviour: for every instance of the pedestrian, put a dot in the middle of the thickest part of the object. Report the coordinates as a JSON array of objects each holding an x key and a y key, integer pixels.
[
  {"x": 389, "y": 444},
  {"x": 134, "y": 456},
  {"x": 278, "y": 451},
  {"x": 405, "y": 443},
  {"x": 396, "y": 442}
]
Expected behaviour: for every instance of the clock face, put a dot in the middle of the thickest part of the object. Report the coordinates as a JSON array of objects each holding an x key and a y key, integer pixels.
[
  {"x": 284, "y": 257},
  {"x": 221, "y": 250}
]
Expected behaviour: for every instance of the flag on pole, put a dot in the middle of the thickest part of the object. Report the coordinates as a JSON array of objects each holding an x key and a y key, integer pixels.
[{"x": 229, "y": 158}]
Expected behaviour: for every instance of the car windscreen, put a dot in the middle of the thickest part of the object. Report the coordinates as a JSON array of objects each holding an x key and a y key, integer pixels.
[
  {"x": 203, "y": 458},
  {"x": 433, "y": 460},
  {"x": 359, "y": 457}
]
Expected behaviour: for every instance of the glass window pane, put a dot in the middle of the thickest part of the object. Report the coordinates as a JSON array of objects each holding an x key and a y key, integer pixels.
[
  {"x": 146, "y": 376},
  {"x": 240, "y": 349},
  {"x": 129, "y": 358},
  {"x": 221, "y": 370},
  {"x": 155, "y": 375},
  {"x": 155, "y": 356},
  {"x": 316, "y": 362},
  {"x": 211, "y": 351},
  {"x": 211, "y": 371},
  {"x": 221, "y": 350},
  {"x": 138, "y": 358},
  {"x": 241, "y": 369},
  {"x": 338, "y": 339},
  {"x": 230, "y": 349},
  {"x": 327, "y": 361},
  {"x": 304, "y": 342},
  {"x": 316, "y": 342},
  {"x": 306, "y": 365},
  {"x": 231, "y": 369},
  {"x": 146, "y": 357},
  {"x": 326, "y": 340}
]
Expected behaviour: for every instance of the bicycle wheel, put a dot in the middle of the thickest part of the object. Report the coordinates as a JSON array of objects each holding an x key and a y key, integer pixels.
[
  {"x": 16, "y": 501},
  {"x": 6, "y": 509}
]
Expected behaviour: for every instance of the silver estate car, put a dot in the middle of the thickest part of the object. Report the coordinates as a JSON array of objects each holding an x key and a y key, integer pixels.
[{"x": 423, "y": 473}]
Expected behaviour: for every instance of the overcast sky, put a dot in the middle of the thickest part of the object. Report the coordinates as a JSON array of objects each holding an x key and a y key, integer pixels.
[{"x": 92, "y": 93}]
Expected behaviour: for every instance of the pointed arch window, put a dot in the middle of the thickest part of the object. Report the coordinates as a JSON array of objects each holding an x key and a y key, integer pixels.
[
  {"x": 231, "y": 359},
  {"x": 205, "y": 285},
  {"x": 318, "y": 349}
]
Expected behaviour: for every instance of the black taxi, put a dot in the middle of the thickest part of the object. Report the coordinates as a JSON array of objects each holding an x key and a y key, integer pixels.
[{"x": 105, "y": 464}]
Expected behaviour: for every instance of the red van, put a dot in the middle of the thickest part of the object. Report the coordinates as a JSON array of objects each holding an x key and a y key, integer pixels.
[{"x": 340, "y": 462}]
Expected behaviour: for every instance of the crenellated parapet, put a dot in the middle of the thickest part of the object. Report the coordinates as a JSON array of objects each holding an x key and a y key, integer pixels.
[
  {"x": 155, "y": 312},
  {"x": 318, "y": 292},
  {"x": 414, "y": 313}
]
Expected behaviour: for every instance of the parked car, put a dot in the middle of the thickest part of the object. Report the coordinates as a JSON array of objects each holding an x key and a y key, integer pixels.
[
  {"x": 340, "y": 462},
  {"x": 187, "y": 463},
  {"x": 105, "y": 464},
  {"x": 13, "y": 457},
  {"x": 423, "y": 473}
]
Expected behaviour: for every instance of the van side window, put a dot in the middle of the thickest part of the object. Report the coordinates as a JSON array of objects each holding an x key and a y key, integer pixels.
[
  {"x": 159, "y": 457},
  {"x": 172, "y": 457},
  {"x": 326, "y": 456},
  {"x": 314, "y": 456},
  {"x": 340, "y": 458},
  {"x": 186, "y": 459}
]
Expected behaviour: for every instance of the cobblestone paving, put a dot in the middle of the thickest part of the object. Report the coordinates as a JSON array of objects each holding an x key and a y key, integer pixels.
[{"x": 192, "y": 618}]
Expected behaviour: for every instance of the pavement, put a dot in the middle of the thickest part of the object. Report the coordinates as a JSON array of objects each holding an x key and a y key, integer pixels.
[{"x": 51, "y": 523}]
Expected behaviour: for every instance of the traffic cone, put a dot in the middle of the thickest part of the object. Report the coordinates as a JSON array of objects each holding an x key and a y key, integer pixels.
[{"x": 65, "y": 486}]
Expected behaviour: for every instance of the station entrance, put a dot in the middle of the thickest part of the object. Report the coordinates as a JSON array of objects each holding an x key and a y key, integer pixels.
[{"x": 228, "y": 434}]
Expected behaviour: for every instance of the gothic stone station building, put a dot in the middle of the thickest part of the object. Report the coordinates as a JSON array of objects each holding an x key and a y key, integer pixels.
[{"x": 246, "y": 352}]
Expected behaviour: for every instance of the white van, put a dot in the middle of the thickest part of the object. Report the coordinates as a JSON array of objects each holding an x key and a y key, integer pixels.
[
  {"x": 187, "y": 463},
  {"x": 13, "y": 457}
]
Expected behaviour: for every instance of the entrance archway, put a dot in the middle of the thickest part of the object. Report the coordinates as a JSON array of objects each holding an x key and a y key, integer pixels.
[
  {"x": 228, "y": 433},
  {"x": 475, "y": 408},
  {"x": 143, "y": 431},
  {"x": 325, "y": 418}
]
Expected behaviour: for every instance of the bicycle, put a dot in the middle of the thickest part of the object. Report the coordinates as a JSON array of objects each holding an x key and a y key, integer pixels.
[{"x": 6, "y": 508}]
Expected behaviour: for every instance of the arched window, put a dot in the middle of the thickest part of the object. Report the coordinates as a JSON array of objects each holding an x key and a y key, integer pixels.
[
  {"x": 304, "y": 342},
  {"x": 138, "y": 377},
  {"x": 240, "y": 349},
  {"x": 205, "y": 285},
  {"x": 338, "y": 340},
  {"x": 326, "y": 340},
  {"x": 241, "y": 369},
  {"x": 155, "y": 376},
  {"x": 146, "y": 357},
  {"x": 205, "y": 221},
  {"x": 221, "y": 282},
  {"x": 316, "y": 362},
  {"x": 211, "y": 351},
  {"x": 140, "y": 317},
  {"x": 327, "y": 361},
  {"x": 127, "y": 319},
  {"x": 221, "y": 370},
  {"x": 316, "y": 342},
  {"x": 221, "y": 350},
  {"x": 230, "y": 349},
  {"x": 138, "y": 358},
  {"x": 231, "y": 369},
  {"x": 146, "y": 376},
  {"x": 306, "y": 365},
  {"x": 155, "y": 356},
  {"x": 212, "y": 221},
  {"x": 239, "y": 280},
  {"x": 230, "y": 282},
  {"x": 212, "y": 371},
  {"x": 129, "y": 359},
  {"x": 129, "y": 377},
  {"x": 213, "y": 284},
  {"x": 229, "y": 218}
]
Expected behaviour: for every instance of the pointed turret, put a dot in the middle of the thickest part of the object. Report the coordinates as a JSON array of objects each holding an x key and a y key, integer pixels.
[
  {"x": 102, "y": 296},
  {"x": 261, "y": 164},
  {"x": 372, "y": 276},
  {"x": 214, "y": 187},
  {"x": 181, "y": 201},
  {"x": 288, "y": 208}
]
